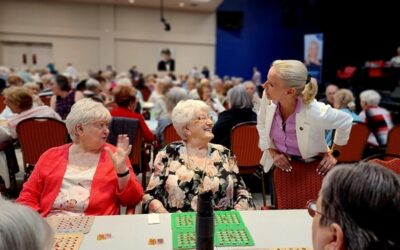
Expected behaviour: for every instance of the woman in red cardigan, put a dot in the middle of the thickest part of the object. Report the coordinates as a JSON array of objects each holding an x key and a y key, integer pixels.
[
  {"x": 87, "y": 177},
  {"x": 125, "y": 97}
]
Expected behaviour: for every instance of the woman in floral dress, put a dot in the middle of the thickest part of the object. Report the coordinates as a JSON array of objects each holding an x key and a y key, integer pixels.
[{"x": 186, "y": 168}]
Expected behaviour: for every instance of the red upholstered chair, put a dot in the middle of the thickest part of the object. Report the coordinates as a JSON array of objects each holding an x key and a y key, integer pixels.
[
  {"x": 391, "y": 161},
  {"x": 293, "y": 189},
  {"x": 244, "y": 145},
  {"x": 170, "y": 134},
  {"x": 393, "y": 141},
  {"x": 36, "y": 135},
  {"x": 353, "y": 150},
  {"x": 2, "y": 104},
  {"x": 347, "y": 73}
]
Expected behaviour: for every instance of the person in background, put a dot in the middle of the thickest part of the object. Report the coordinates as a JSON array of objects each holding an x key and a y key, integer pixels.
[
  {"x": 94, "y": 91},
  {"x": 34, "y": 88},
  {"x": 240, "y": 111},
  {"x": 174, "y": 96},
  {"x": 344, "y": 101},
  {"x": 64, "y": 96},
  {"x": 166, "y": 63},
  {"x": 22, "y": 228},
  {"x": 292, "y": 124},
  {"x": 184, "y": 169},
  {"x": 395, "y": 61},
  {"x": 358, "y": 208},
  {"x": 205, "y": 72},
  {"x": 20, "y": 102},
  {"x": 312, "y": 58},
  {"x": 251, "y": 91},
  {"x": 205, "y": 94},
  {"x": 330, "y": 91},
  {"x": 87, "y": 176},
  {"x": 378, "y": 119},
  {"x": 125, "y": 97}
]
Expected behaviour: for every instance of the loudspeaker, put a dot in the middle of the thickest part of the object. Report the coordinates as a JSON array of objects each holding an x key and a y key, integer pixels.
[{"x": 230, "y": 19}]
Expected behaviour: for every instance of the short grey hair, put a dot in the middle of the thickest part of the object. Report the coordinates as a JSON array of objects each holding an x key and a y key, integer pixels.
[
  {"x": 184, "y": 112},
  {"x": 175, "y": 95},
  {"x": 238, "y": 98},
  {"x": 84, "y": 111},
  {"x": 370, "y": 97},
  {"x": 23, "y": 228},
  {"x": 375, "y": 192},
  {"x": 92, "y": 84}
]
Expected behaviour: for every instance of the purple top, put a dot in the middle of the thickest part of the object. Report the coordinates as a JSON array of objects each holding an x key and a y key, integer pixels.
[
  {"x": 63, "y": 105},
  {"x": 283, "y": 134}
]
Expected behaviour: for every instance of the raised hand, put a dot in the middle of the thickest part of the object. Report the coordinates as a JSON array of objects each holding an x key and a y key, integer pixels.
[{"x": 119, "y": 156}]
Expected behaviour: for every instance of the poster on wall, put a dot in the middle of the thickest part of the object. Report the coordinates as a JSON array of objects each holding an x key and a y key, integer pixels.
[{"x": 313, "y": 56}]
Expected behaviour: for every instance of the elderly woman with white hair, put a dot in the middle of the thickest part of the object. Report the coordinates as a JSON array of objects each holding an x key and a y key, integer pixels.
[
  {"x": 23, "y": 228},
  {"x": 377, "y": 118},
  {"x": 86, "y": 177},
  {"x": 192, "y": 166}
]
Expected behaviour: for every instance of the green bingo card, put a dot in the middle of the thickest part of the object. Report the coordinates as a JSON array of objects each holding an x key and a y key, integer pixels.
[{"x": 230, "y": 230}]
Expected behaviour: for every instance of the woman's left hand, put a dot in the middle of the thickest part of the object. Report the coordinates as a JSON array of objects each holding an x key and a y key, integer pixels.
[
  {"x": 119, "y": 156},
  {"x": 326, "y": 164}
]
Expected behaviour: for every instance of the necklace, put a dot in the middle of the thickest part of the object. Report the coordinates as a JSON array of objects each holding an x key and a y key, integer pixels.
[{"x": 204, "y": 168}]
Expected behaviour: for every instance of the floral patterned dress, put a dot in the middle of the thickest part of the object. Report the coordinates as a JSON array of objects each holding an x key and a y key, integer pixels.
[{"x": 176, "y": 184}]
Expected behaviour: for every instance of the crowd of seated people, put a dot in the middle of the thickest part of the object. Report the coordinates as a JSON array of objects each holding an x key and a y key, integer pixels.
[{"x": 91, "y": 177}]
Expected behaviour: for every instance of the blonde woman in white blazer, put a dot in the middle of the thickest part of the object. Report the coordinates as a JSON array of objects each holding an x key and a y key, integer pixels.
[{"x": 289, "y": 98}]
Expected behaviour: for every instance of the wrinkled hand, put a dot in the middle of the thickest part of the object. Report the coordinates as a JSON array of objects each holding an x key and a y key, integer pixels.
[
  {"x": 326, "y": 164},
  {"x": 119, "y": 156}
]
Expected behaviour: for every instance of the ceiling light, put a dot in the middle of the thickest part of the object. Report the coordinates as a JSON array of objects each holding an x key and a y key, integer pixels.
[
  {"x": 131, "y": 1},
  {"x": 181, "y": 4}
]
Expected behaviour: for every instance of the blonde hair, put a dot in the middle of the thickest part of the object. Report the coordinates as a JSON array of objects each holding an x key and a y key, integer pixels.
[
  {"x": 84, "y": 111},
  {"x": 344, "y": 99},
  {"x": 295, "y": 75},
  {"x": 184, "y": 112},
  {"x": 19, "y": 96}
]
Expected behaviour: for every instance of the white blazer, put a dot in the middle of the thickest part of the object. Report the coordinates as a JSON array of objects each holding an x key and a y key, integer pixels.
[{"x": 311, "y": 123}]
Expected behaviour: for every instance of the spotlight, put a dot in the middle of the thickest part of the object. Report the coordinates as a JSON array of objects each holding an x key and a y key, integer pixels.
[{"x": 167, "y": 26}]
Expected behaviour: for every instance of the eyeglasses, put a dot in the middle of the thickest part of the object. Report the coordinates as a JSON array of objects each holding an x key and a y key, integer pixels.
[
  {"x": 312, "y": 208},
  {"x": 203, "y": 118}
]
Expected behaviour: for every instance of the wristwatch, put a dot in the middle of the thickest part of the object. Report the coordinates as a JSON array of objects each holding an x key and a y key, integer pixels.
[{"x": 335, "y": 153}]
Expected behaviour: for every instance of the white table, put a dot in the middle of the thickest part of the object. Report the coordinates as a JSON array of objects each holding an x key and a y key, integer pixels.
[{"x": 272, "y": 228}]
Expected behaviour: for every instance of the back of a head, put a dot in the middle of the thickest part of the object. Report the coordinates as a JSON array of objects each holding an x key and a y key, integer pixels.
[
  {"x": 19, "y": 96},
  {"x": 63, "y": 83},
  {"x": 364, "y": 199},
  {"x": 22, "y": 228},
  {"x": 344, "y": 99},
  {"x": 238, "y": 98},
  {"x": 370, "y": 97},
  {"x": 294, "y": 73},
  {"x": 175, "y": 95},
  {"x": 124, "y": 95}
]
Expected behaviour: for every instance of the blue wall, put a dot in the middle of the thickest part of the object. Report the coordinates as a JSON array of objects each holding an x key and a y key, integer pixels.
[
  {"x": 262, "y": 39},
  {"x": 265, "y": 37}
]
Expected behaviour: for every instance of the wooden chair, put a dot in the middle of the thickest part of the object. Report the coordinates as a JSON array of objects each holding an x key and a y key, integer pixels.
[
  {"x": 36, "y": 135},
  {"x": 353, "y": 150},
  {"x": 244, "y": 145},
  {"x": 170, "y": 134},
  {"x": 293, "y": 189},
  {"x": 131, "y": 127},
  {"x": 393, "y": 141}
]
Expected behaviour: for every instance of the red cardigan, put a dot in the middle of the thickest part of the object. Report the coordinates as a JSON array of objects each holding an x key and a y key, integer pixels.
[
  {"x": 43, "y": 186},
  {"x": 124, "y": 112}
]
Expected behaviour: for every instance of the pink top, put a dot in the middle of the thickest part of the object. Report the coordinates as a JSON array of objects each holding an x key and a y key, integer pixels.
[{"x": 283, "y": 134}]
